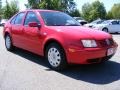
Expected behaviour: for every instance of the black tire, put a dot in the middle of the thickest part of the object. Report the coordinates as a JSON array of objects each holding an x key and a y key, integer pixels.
[
  {"x": 105, "y": 30},
  {"x": 62, "y": 62},
  {"x": 105, "y": 59},
  {"x": 10, "y": 47}
]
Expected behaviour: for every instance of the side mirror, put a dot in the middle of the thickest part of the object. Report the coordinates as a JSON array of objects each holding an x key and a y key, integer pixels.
[{"x": 34, "y": 24}]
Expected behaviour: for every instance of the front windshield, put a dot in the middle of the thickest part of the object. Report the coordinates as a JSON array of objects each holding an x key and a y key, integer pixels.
[{"x": 58, "y": 19}]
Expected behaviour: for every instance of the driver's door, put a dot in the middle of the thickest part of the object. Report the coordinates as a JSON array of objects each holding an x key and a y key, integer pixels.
[{"x": 32, "y": 34}]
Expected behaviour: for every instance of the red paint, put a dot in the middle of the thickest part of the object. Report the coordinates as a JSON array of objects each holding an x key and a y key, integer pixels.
[{"x": 34, "y": 39}]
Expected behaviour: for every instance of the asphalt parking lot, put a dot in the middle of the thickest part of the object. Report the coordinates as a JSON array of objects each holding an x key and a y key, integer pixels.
[{"x": 22, "y": 70}]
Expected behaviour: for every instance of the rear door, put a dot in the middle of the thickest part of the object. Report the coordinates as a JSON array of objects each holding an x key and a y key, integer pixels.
[{"x": 17, "y": 29}]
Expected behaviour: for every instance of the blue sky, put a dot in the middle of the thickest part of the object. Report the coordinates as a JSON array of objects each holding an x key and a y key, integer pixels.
[{"x": 108, "y": 3}]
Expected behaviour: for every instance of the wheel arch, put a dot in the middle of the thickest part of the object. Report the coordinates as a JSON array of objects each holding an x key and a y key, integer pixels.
[
  {"x": 52, "y": 41},
  {"x": 6, "y": 33},
  {"x": 104, "y": 28}
]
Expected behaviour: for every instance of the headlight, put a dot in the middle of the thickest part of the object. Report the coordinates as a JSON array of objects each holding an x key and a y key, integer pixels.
[{"x": 89, "y": 43}]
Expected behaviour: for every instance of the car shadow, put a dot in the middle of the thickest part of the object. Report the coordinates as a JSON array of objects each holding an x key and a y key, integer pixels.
[
  {"x": 97, "y": 74},
  {"x": 30, "y": 56}
]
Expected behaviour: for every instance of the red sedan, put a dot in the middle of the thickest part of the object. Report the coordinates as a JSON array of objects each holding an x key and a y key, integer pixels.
[{"x": 58, "y": 37}]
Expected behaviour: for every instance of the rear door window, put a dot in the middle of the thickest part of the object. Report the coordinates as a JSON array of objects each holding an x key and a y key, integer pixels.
[
  {"x": 19, "y": 18},
  {"x": 115, "y": 23},
  {"x": 13, "y": 20}
]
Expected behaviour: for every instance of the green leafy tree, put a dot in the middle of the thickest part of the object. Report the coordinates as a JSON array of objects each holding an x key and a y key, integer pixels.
[
  {"x": 0, "y": 9},
  {"x": 68, "y": 5},
  {"x": 0, "y": 4},
  {"x": 99, "y": 10},
  {"x": 10, "y": 9},
  {"x": 50, "y": 4},
  {"x": 6, "y": 10},
  {"x": 109, "y": 15},
  {"x": 75, "y": 13},
  {"x": 115, "y": 11},
  {"x": 94, "y": 11},
  {"x": 63, "y": 5},
  {"x": 34, "y": 4},
  {"x": 86, "y": 8}
]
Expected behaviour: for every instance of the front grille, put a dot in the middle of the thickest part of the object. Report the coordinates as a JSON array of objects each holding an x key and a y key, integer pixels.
[
  {"x": 99, "y": 60},
  {"x": 106, "y": 42}
]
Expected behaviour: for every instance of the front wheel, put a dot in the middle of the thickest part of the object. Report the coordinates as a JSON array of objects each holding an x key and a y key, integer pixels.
[
  {"x": 8, "y": 43},
  {"x": 55, "y": 56}
]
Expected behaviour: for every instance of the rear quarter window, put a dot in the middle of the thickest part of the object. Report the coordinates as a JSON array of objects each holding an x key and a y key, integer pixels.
[{"x": 13, "y": 20}]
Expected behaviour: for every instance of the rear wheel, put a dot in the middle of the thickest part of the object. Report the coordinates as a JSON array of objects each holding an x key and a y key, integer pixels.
[
  {"x": 105, "y": 29},
  {"x": 56, "y": 56},
  {"x": 8, "y": 43}
]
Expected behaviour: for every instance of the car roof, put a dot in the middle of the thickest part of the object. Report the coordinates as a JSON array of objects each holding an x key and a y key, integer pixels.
[{"x": 38, "y": 10}]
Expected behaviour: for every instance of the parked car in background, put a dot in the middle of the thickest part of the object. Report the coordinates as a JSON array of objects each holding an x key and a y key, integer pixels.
[
  {"x": 98, "y": 21},
  {"x": 2, "y": 22},
  {"x": 58, "y": 37},
  {"x": 80, "y": 20},
  {"x": 110, "y": 26}
]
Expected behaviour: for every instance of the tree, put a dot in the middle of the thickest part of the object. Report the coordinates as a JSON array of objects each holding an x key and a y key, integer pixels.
[
  {"x": 0, "y": 4},
  {"x": 50, "y": 4},
  {"x": 6, "y": 10},
  {"x": 109, "y": 15},
  {"x": 68, "y": 5},
  {"x": 94, "y": 11},
  {"x": 10, "y": 9},
  {"x": 75, "y": 13},
  {"x": 34, "y": 4},
  {"x": 115, "y": 11},
  {"x": 63, "y": 5},
  {"x": 86, "y": 8},
  {"x": 99, "y": 9},
  {"x": 0, "y": 9}
]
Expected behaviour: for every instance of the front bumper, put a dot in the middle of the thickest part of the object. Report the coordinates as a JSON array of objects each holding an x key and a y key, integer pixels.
[{"x": 89, "y": 55}]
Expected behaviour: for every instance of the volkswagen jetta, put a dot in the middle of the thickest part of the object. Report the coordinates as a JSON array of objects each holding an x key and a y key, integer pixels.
[{"x": 58, "y": 37}]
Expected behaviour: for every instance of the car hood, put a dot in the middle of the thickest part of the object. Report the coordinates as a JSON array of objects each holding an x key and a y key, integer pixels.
[{"x": 81, "y": 32}]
